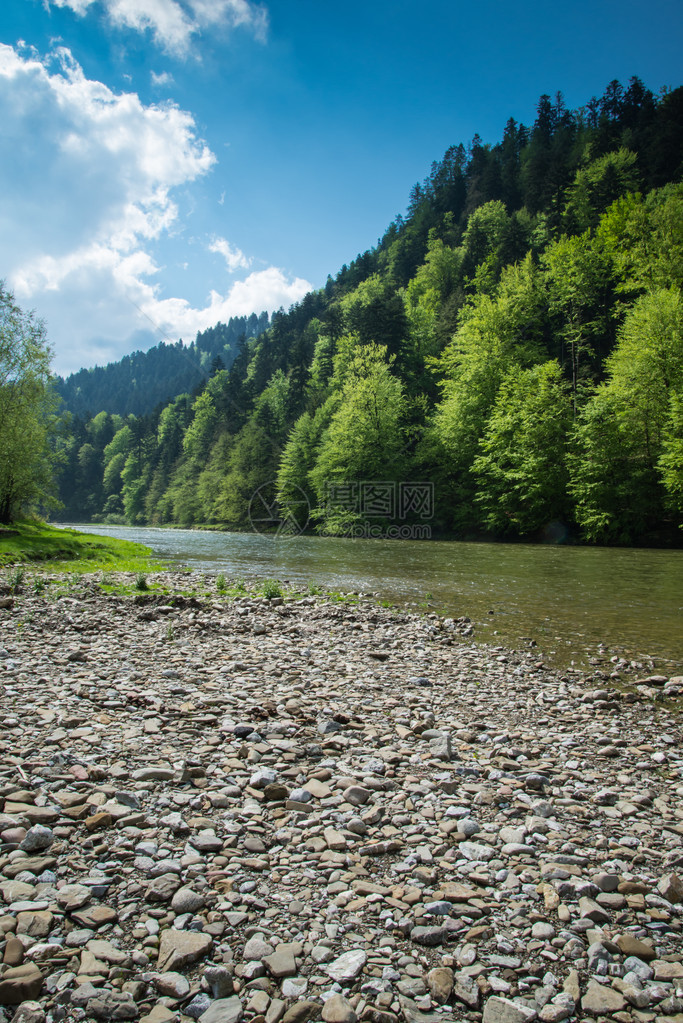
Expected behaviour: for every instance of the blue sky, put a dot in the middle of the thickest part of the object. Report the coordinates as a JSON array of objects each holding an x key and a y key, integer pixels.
[{"x": 170, "y": 163}]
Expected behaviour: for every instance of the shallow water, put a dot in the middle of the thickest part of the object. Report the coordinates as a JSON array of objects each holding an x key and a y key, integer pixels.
[{"x": 570, "y": 600}]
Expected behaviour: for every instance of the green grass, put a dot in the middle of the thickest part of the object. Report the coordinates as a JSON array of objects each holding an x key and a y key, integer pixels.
[
  {"x": 66, "y": 550},
  {"x": 271, "y": 588}
]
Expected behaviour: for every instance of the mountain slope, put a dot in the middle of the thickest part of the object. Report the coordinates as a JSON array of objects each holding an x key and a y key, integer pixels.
[
  {"x": 515, "y": 344},
  {"x": 139, "y": 382}
]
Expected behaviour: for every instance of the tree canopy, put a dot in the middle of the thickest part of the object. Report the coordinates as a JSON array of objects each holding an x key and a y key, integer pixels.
[
  {"x": 514, "y": 341},
  {"x": 27, "y": 409}
]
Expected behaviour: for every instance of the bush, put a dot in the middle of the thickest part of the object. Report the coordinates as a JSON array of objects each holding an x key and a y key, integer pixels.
[{"x": 271, "y": 588}]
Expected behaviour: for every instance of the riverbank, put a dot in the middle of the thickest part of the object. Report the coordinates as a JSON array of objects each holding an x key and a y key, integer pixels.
[
  {"x": 35, "y": 542},
  {"x": 286, "y": 809}
]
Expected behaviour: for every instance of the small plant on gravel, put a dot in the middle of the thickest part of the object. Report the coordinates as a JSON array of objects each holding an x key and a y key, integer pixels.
[
  {"x": 241, "y": 586},
  {"x": 221, "y": 584},
  {"x": 314, "y": 589},
  {"x": 170, "y": 634},
  {"x": 141, "y": 582},
  {"x": 15, "y": 579},
  {"x": 271, "y": 588},
  {"x": 39, "y": 584}
]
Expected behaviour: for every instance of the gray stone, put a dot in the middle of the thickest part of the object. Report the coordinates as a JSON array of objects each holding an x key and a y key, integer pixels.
[
  {"x": 29, "y": 1012},
  {"x": 175, "y": 985},
  {"x": 430, "y": 936},
  {"x": 112, "y": 1005},
  {"x": 186, "y": 900},
  {"x": 601, "y": 1000},
  {"x": 347, "y": 966},
  {"x": 196, "y": 1008},
  {"x": 280, "y": 964},
  {"x": 476, "y": 851},
  {"x": 338, "y": 1009},
  {"x": 503, "y": 1010},
  {"x": 219, "y": 980},
  {"x": 181, "y": 948},
  {"x": 357, "y": 795},
  {"x": 38, "y": 837},
  {"x": 225, "y": 1010}
]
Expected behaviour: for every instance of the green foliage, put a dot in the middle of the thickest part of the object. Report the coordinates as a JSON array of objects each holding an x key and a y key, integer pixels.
[
  {"x": 365, "y": 438},
  {"x": 15, "y": 579},
  {"x": 221, "y": 584},
  {"x": 27, "y": 410},
  {"x": 141, "y": 582},
  {"x": 626, "y": 461},
  {"x": 271, "y": 588},
  {"x": 521, "y": 472},
  {"x": 597, "y": 186},
  {"x": 511, "y": 341}
]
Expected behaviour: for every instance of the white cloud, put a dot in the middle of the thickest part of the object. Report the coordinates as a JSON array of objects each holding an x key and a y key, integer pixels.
[
  {"x": 93, "y": 186},
  {"x": 160, "y": 81},
  {"x": 234, "y": 258},
  {"x": 174, "y": 23}
]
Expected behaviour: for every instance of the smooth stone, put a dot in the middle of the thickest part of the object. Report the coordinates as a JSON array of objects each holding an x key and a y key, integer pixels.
[
  {"x": 219, "y": 980},
  {"x": 280, "y": 964},
  {"x": 175, "y": 985},
  {"x": 112, "y": 1005},
  {"x": 601, "y": 1000},
  {"x": 186, "y": 900},
  {"x": 503, "y": 1010},
  {"x": 338, "y": 1009},
  {"x": 347, "y": 966},
  {"x": 20, "y": 984},
  {"x": 440, "y": 983},
  {"x": 429, "y": 936},
  {"x": 630, "y": 946},
  {"x": 37, "y": 838},
  {"x": 301, "y": 1012},
  {"x": 181, "y": 948},
  {"x": 224, "y": 1010}
]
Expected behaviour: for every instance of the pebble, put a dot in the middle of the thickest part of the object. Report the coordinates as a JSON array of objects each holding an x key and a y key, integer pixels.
[{"x": 309, "y": 810}]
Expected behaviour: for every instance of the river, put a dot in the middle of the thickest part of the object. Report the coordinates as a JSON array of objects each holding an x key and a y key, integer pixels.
[{"x": 574, "y": 602}]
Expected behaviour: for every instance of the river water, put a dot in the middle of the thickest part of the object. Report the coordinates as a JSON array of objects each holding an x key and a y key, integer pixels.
[{"x": 572, "y": 601}]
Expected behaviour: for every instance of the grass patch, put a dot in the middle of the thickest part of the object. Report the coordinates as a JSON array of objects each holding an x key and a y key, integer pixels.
[
  {"x": 271, "y": 588},
  {"x": 67, "y": 550}
]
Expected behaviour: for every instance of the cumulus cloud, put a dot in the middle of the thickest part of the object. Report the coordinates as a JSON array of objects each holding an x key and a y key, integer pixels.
[
  {"x": 174, "y": 23},
  {"x": 93, "y": 185},
  {"x": 234, "y": 258}
]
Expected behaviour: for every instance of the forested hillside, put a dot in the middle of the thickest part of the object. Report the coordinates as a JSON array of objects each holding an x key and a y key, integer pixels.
[
  {"x": 141, "y": 381},
  {"x": 516, "y": 342}
]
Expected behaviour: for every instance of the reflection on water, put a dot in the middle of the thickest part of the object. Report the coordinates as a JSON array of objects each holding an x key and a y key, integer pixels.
[{"x": 567, "y": 599}]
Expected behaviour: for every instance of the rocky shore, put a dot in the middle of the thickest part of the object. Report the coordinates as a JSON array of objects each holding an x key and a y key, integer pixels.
[{"x": 290, "y": 810}]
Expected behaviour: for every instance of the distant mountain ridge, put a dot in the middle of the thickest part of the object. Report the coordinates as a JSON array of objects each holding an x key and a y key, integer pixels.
[{"x": 139, "y": 382}]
